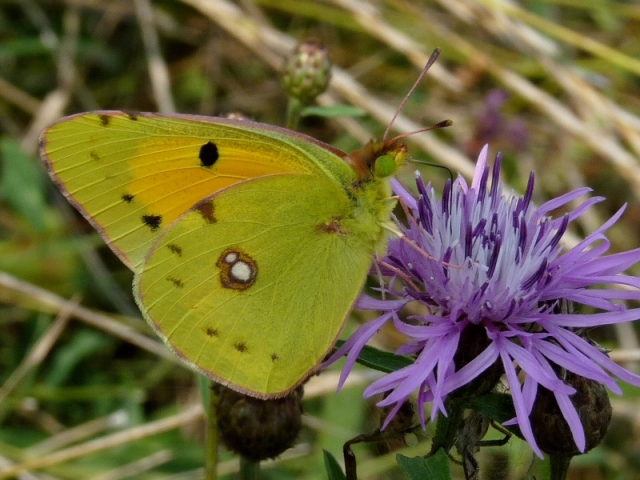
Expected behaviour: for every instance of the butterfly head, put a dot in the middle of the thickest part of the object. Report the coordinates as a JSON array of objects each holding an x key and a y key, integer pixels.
[
  {"x": 381, "y": 159},
  {"x": 378, "y": 159}
]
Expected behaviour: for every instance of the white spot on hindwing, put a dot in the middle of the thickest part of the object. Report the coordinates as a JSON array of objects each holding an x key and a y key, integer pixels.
[
  {"x": 241, "y": 271},
  {"x": 238, "y": 271}
]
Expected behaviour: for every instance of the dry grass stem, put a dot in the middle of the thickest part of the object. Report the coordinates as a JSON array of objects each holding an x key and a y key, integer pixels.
[{"x": 187, "y": 416}]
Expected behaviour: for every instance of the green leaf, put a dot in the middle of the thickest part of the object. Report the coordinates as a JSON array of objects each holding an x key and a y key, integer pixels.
[
  {"x": 25, "y": 47},
  {"x": 331, "y": 111},
  {"x": 334, "y": 471},
  {"x": 380, "y": 360},
  {"x": 435, "y": 467},
  {"x": 76, "y": 355},
  {"x": 498, "y": 407},
  {"x": 22, "y": 185}
]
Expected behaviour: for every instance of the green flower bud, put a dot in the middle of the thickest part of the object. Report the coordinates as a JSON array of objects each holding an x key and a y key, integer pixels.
[{"x": 307, "y": 71}]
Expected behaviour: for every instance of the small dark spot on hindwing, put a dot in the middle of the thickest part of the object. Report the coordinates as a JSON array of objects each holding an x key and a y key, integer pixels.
[
  {"x": 176, "y": 249},
  {"x": 241, "y": 347},
  {"x": 104, "y": 120},
  {"x": 274, "y": 357},
  {"x": 131, "y": 116},
  {"x": 176, "y": 282},
  {"x": 127, "y": 197},
  {"x": 152, "y": 221},
  {"x": 94, "y": 156},
  {"x": 208, "y": 154},
  {"x": 212, "y": 332}
]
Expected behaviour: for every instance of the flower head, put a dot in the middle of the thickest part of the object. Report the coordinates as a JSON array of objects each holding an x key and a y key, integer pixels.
[{"x": 493, "y": 275}]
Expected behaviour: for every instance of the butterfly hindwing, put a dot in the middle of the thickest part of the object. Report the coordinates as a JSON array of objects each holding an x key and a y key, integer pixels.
[{"x": 252, "y": 286}]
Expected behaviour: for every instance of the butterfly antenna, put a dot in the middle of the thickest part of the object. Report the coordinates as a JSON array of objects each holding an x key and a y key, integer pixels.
[
  {"x": 431, "y": 61},
  {"x": 443, "y": 124},
  {"x": 435, "y": 165}
]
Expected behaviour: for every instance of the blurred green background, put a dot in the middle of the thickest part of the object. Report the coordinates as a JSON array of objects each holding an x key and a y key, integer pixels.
[{"x": 88, "y": 392}]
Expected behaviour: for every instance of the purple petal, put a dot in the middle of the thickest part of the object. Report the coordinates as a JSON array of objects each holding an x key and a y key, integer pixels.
[{"x": 522, "y": 412}]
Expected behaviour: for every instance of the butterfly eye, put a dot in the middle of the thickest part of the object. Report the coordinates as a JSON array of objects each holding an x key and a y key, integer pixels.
[{"x": 385, "y": 166}]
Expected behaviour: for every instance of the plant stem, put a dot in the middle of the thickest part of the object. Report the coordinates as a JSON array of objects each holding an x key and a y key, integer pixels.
[
  {"x": 211, "y": 446},
  {"x": 249, "y": 469},
  {"x": 559, "y": 465},
  {"x": 294, "y": 108},
  {"x": 447, "y": 427}
]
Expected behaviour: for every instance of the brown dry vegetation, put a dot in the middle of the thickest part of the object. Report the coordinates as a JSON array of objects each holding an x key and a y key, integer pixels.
[{"x": 87, "y": 391}]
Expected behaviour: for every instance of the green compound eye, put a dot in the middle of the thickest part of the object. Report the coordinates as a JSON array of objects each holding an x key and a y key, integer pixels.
[{"x": 385, "y": 166}]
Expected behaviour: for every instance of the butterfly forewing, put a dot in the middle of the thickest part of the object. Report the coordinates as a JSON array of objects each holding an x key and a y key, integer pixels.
[{"x": 131, "y": 175}]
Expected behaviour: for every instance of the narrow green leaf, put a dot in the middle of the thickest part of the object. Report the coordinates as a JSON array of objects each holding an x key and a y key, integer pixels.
[
  {"x": 380, "y": 360},
  {"x": 22, "y": 184},
  {"x": 334, "y": 471},
  {"x": 498, "y": 406},
  {"x": 332, "y": 111}
]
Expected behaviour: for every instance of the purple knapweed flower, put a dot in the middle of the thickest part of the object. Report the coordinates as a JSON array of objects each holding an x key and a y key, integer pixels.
[{"x": 489, "y": 265}]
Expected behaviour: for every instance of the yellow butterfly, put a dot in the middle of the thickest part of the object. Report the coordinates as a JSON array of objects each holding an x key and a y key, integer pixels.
[{"x": 249, "y": 243}]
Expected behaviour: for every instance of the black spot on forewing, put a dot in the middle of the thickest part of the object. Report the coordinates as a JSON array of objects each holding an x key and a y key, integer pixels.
[
  {"x": 208, "y": 154},
  {"x": 274, "y": 357},
  {"x": 127, "y": 197},
  {"x": 104, "y": 120},
  {"x": 176, "y": 282},
  {"x": 152, "y": 221},
  {"x": 132, "y": 116},
  {"x": 175, "y": 249},
  {"x": 94, "y": 156}
]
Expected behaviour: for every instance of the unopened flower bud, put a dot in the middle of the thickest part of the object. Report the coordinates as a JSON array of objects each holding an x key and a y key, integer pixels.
[
  {"x": 259, "y": 429},
  {"x": 307, "y": 72},
  {"x": 550, "y": 428}
]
